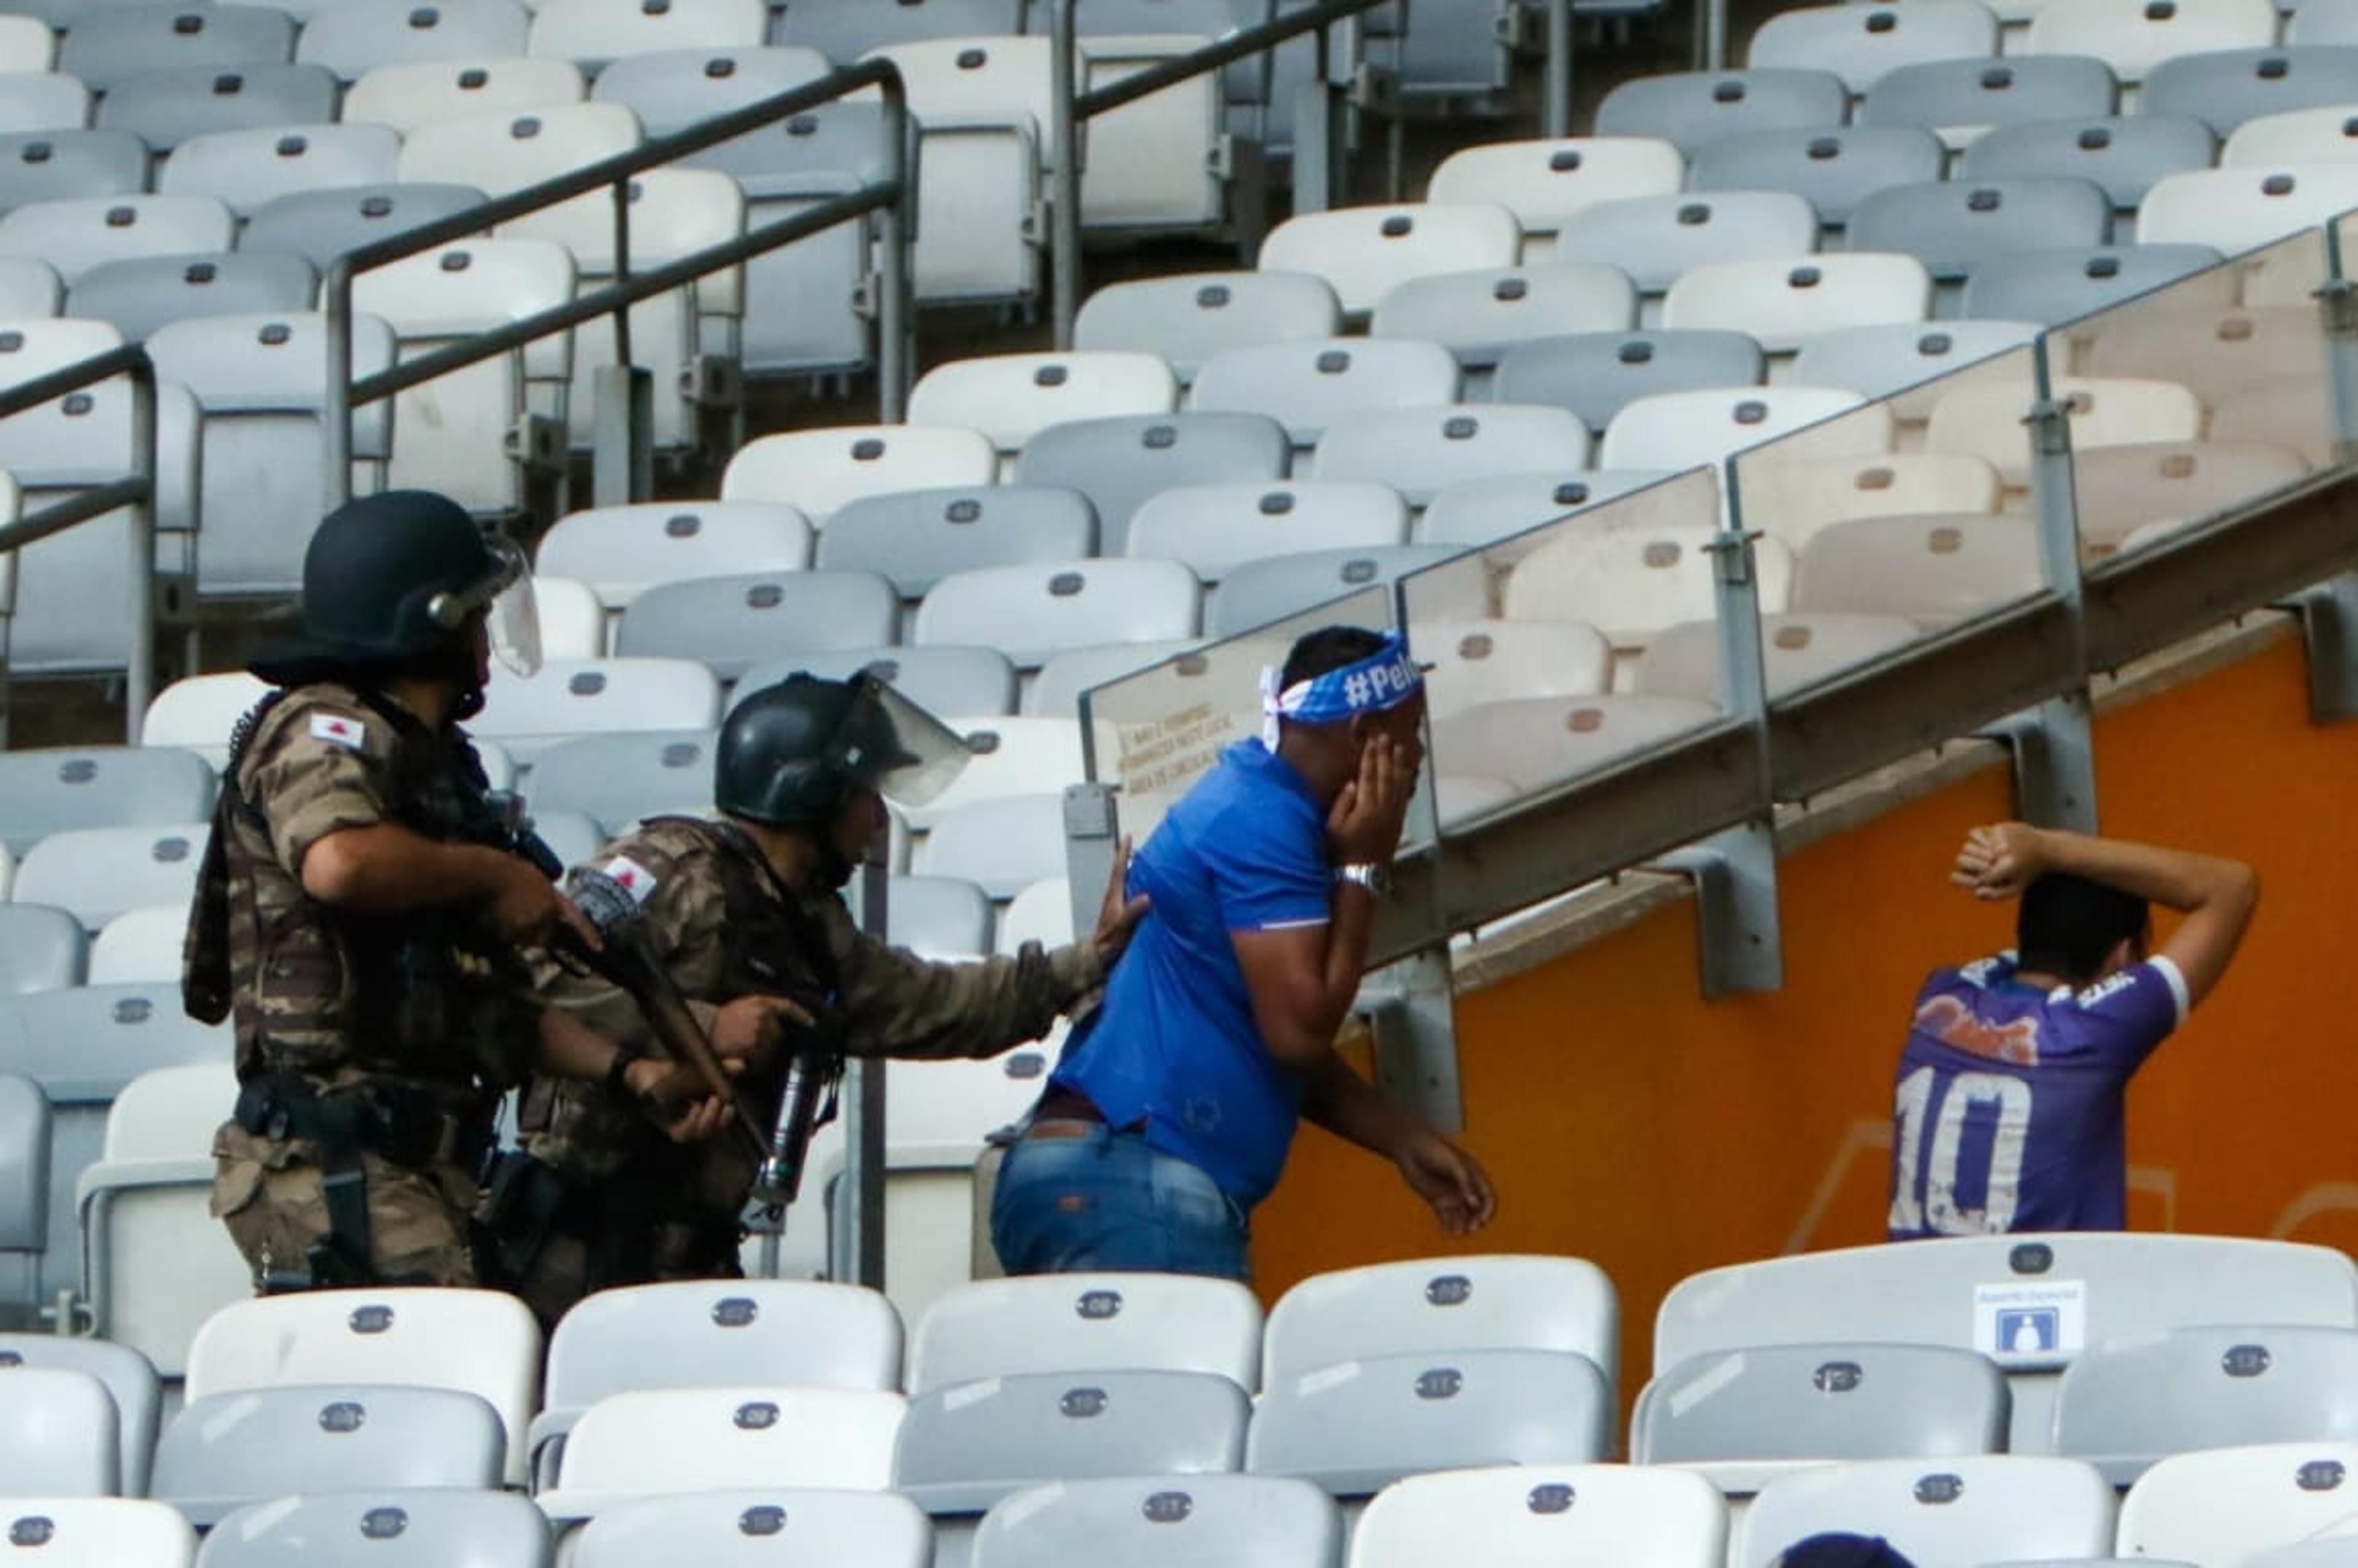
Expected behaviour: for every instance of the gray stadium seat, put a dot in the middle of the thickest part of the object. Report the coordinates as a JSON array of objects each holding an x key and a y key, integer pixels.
[
  {"x": 2227, "y": 87},
  {"x": 1357, "y": 1427},
  {"x": 1432, "y": 1305},
  {"x": 1189, "y": 317},
  {"x": 130, "y": 1380},
  {"x": 1948, "y": 94},
  {"x": 168, "y": 107},
  {"x": 98, "y": 873},
  {"x": 143, "y": 295},
  {"x": 1118, "y": 462},
  {"x": 389, "y": 1527},
  {"x": 1307, "y": 387},
  {"x": 1656, "y": 238},
  {"x": 734, "y": 623},
  {"x": 79, "y": 233},
  {"x": 1876, "y": 361},
  {"x": 82, "y": 1046},
  {"x": 1057, "y": 688},
  {"x": 843, "y": 30},
  {"x": 1745, "y": 1415},
  {"x": 53, "y": 165},
  {"x": 1952, "y": 227},
  {"x": 58, "y": 1434},
  {"x": 46, "y": 791},
  {"x": 620, "y": 551},
  {"x": 225, "y": 1451},
  {"x": 916, "y": 538},
  {"x": 1001, "y": 845},
  {"x": 1861, "y": 44},
  {"x": 1835, "y": 167},
  {"x": 354, "y": 37},
  {"x": 743, "y": 1530},
  {"x": 945, "y": 679},
  {"x": 965, "y": 1447},
  {"x": 108, "y": 46},
  {"x": 1694, "y": 109},
  {"x": 1211, "y": 528},
  {"x": 670, "y": 90},
  {"x": 104, "y": 1532},
  {"x": 29, "y": 289},
  {"x": 320, "y": 225},
  {"x": 1419, "y": 451},
  {"x": 617, "y": 779},
  {"x": 937, "y": 914},
  {"x": 1262, "y": 591},
  {"x": 1082, "y": 1323},
  {"x": 41, "y": 949},
  {"x": 1937, "y": 570},
  {"x": 2047, "y": 286},
  {"x": 1513, "y": 1516},
  {"x": 247, "y": 168},
  {"x": 1481, "y": 511},
  {"x": 1594, "y": 374},
  {"x": 1453, "y": 49},
  {"x": 1238, "y": 1521},
  {"x": 1031, "y": 610},
  {"x": 2134, "y": 1285},
  {"x": 2123, "y": 1404},
  {"x": 1479, "y": 316},
  {"x": 31, "y": 101},
  {"x": 1968, "y": 1510},
  {"x": 262, "y": 381},
  {"x": 25, "y": 1158},
  {"x": 2124, "y": 155}
]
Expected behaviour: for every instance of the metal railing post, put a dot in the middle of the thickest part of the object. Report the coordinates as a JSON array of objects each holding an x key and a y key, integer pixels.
[
  {"x": 139, "y": 683},
  {"x": 1556, "y": 113},
  {"x": 896, "y": 240},
  {"x": 2055, "y": 749},
  {"x": 336, "y": 412},
  {"x": 1064, "y": 200}
]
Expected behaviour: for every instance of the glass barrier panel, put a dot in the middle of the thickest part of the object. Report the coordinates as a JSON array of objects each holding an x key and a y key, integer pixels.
[
  {"x": 1535, "y": 641},
  {"x": 1152, "y": 734},
  {"x": 2212, "y": 392},
  {"x": 1886, "y": 525}
]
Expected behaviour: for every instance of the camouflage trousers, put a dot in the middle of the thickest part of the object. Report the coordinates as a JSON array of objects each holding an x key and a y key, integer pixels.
[{"x": 270, "y": 1194}]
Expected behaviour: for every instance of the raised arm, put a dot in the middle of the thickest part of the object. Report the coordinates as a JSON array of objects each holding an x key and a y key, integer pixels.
[{"x": 2216, "y": 896}]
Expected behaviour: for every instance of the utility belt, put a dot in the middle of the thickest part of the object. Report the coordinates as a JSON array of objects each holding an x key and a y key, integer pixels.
[{"x": 408, "y": 1125}]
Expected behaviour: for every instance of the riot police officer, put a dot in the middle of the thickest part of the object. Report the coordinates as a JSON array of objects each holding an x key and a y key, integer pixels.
[
  {"x": 361, "y": 908},
  {"x": 745, "y": 913}
]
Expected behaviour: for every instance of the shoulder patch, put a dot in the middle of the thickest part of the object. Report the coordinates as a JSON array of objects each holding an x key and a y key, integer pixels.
[
  {"x": 338, "y": 730},
  {"x": 632, "y": 877}
]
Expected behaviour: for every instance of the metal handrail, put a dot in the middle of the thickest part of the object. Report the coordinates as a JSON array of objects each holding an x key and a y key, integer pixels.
[
  {"x": 136, "y": 492},
  {"x": 1073, "y": 107},
  {"x": 894, "y": 197}
]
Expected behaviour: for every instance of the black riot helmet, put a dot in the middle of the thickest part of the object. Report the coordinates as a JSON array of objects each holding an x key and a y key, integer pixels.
[
  {"x": 792, "y": 754},
  {"x": 390, "y": 583}
]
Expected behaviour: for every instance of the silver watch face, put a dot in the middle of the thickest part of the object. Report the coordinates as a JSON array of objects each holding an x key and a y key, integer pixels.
[{"x": 1374, "y": 879}]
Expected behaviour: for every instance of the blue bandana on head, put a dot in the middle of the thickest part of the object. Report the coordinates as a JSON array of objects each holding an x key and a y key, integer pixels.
[{"x": 1376, "y": 683}]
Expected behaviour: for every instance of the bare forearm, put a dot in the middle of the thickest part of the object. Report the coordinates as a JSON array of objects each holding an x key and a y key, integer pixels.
[
  {"x": 571, "y": 1049},
  {"x": 1347, "y": 934},
  {"x": 386, "y": 868},
  {"x": 1336, "y": 1098},
  {"x": 2175, "y": 879},
  {"x": 1317, "y": 995}
]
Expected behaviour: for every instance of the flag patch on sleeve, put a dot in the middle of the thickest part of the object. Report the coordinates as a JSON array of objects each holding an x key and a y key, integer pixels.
[
  {"x": 338, "y": 730},
  {"x": 633, "y": 878}
]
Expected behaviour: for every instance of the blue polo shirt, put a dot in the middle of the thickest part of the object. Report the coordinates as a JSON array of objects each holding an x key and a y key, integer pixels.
[{"x": 1175, "y": 1046}]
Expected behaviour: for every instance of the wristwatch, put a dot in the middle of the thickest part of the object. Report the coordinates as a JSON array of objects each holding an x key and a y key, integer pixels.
[
  {"x": 617, "y": 1071},
  {"x": 1376, "y": 879}
]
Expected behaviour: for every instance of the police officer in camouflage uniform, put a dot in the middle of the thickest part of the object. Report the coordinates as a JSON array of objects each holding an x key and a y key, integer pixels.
[
  {"x": 361, "y": 910},
  {"x": 747, "y": 916}
]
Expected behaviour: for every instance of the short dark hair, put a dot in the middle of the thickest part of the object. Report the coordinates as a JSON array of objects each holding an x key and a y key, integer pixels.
[
  {"x": 1328, "y": 648},
  {"x": 2067, "y": 924}
]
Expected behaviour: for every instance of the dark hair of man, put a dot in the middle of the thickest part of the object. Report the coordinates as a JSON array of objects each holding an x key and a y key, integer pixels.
[
  {"x": 1328, "y": 649},
  {"x": 2067, "y": 924}
]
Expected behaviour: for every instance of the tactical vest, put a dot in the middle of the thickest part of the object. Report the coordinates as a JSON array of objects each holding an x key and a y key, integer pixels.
[{"x": 328, "y": 994}]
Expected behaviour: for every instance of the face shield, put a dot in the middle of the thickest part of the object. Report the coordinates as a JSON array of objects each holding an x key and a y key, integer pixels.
[
  {"x": 895, "y": 747},
  {"x": 503, "y": 597}
]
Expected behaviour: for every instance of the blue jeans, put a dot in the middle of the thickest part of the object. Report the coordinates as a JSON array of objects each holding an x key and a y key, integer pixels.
[{"x": 1107, "y": 1200}]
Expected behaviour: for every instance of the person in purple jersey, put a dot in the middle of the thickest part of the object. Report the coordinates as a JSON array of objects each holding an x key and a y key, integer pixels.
[{"x": 2008, "y": 1115}]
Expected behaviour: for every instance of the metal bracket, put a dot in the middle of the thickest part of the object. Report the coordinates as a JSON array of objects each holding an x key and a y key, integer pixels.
[
  {"x": 2329, "y": 620},
  {"x": 1410, "y": 1011},
  {"x": 1092, "y": 837},
  {"x": 1739, "y": 946},
  {"x": 2054, "y": 750}
]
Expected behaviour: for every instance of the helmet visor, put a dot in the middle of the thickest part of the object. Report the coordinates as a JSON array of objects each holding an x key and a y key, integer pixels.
[
  {"x": 503, "y": 597},
  {"x": 895, "y": 747}
]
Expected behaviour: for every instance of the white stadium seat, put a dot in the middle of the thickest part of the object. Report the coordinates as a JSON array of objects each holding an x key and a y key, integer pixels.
[{"x": 1366, "y": 252}]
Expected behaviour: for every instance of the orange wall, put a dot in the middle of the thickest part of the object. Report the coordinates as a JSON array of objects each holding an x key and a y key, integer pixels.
[{"x": 1628, "y": 1121}]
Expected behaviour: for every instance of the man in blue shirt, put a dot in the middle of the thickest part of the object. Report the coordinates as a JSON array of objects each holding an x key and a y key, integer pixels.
[
  {"x": 1171, "y": 1111},
  {"x": 2008, "y": 1115}
]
